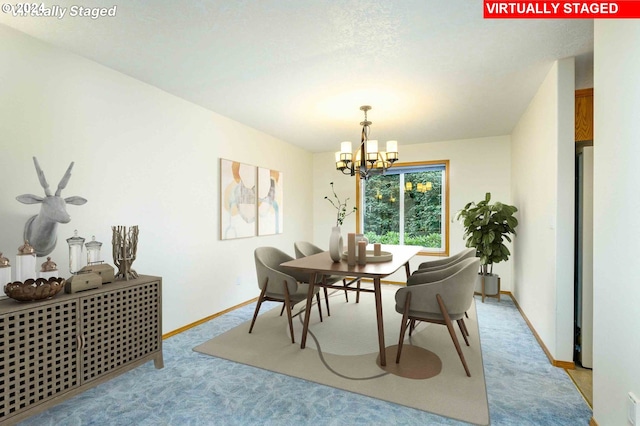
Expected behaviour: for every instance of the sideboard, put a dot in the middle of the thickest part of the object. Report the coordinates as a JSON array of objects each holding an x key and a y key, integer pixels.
[{"x": 54, "y": 349}]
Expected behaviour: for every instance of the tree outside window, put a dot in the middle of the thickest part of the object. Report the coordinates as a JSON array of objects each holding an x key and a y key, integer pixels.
[{"x": 408, "y": 205}]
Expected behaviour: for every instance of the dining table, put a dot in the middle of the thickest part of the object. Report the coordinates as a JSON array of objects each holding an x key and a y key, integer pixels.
[{"x": 321, "y": 264}]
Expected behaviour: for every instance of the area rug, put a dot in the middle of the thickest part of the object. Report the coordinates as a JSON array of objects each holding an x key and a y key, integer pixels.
[{"x": 342, "y": 352}]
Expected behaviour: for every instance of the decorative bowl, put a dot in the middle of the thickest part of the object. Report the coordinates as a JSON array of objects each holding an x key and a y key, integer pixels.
[{"x": 34, "y": 289}]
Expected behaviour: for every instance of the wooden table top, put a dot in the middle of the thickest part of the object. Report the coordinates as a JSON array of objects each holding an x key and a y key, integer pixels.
[{"x": 323, "y": 264}]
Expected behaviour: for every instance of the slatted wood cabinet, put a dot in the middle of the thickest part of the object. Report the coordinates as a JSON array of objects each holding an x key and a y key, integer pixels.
[{"x": 52, "y": 350}]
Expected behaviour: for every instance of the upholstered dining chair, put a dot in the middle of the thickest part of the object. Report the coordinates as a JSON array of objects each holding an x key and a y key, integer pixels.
[
  {"x": 280, "y": 285},
  {"x": 439, "y": 301},
  {"x": 448, "y": 261},
  {"x": 304, "y": 249}
]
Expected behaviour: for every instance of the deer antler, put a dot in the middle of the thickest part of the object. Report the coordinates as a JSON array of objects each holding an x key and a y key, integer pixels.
[
  {"x": 64, "y": 180},
  {"x": 41, "y": 178}
]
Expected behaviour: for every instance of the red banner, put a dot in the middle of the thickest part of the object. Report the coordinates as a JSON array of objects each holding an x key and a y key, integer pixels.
[{"x": 494, "y": 9}]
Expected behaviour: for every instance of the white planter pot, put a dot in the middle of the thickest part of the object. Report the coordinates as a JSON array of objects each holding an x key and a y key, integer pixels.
[{"x": 490, "y": 284}]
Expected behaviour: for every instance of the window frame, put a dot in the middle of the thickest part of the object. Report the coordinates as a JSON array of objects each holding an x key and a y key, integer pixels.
[{"x": 446, "y": 219}]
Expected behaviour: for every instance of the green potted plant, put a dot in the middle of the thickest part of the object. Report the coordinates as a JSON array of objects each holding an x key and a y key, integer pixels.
[{"x": 486, "y": 227}]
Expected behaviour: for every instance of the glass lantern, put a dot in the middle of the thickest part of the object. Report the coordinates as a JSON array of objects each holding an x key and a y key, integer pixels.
[
  {"x": 93, "y": 251},
  {"x": 75, "y": 252}
]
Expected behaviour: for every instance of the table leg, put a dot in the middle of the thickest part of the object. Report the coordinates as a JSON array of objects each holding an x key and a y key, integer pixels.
[
  {"x": 378, "y": 296},
  {"x": 307, "y": 310}
]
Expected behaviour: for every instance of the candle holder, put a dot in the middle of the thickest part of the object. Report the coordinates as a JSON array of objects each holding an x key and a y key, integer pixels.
[
  {"x": 49, "y": 269},
  {"x": 25, "y": 262}
]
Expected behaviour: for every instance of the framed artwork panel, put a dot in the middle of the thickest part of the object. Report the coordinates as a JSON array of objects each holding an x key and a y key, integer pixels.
[
  {"x": 238, "y": 202},
  {"x": 270, "y": 202}
]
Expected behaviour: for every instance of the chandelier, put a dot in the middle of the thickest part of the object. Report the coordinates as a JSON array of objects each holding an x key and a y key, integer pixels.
[{"x": 375, "y": 162}]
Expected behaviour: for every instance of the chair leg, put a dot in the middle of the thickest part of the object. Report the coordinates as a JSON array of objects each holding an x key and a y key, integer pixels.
[
  {"x": 260, "y": 299},
  {"x": 287, "y": 303},
  {"x": 462, "y": 330},
  {"x": 319, "y": 305},
  {"x": 346, "y": 293},
  {"x": 464, "y": 325},
  {"x": 452, "y": 332},
  {"x": 326, "y": 295},
  {"x": 412, "y": 326},
  {"x": 283, "y": 306},
  {"x": 403, "y": 326},
  {"x": 358, "y": 292}
]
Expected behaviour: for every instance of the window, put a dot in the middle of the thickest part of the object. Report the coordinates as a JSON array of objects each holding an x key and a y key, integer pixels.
[{"x": 409, "y": 205}]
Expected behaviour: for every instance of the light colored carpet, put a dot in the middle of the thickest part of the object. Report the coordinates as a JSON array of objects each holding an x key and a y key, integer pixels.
[{"x": 348, "y": 354}]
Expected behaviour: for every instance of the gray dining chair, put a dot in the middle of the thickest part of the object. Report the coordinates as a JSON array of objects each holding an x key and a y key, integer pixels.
[
  {"x": 439, "y": 301},
  {"x": 279, "y": 284},
  {"x": 304, "y": 249},
  {"x": 447, "y": 261}
]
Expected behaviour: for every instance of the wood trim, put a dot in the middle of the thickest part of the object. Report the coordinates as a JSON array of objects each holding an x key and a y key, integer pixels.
[
  {"x": 203, "y": 320},
  {"x": 584, "y": 115},
  {"x": 567, "y": 365},
  {"x": 593, "y": 422},
  {"x": 447, "y": 213}
]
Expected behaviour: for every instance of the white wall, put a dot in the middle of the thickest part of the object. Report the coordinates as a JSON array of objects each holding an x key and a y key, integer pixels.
[
  {"x": 143, "y": 157},
  {"x": 476, "y": 166},
  {"x": 616, "y": 293},
  {"x": 542, "y": 156}
]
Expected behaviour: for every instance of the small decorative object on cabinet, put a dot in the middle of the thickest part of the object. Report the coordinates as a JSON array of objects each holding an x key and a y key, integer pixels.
[
  {"x": 63, "y": 346},
  {"x": 95, "y": 263},
  {"x": 79, "y": 281},
  {"x": 125, "y": 246},
  {"x": 25, "y": 262},
  {"x": 5, "y": 270},
  {"x": 34, "y": 289},
  {"x": 49, "y": 269},
  {"x": 75, "y": 252}
]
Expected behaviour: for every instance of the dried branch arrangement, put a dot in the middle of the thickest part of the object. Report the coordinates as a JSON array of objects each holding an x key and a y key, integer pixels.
[{"x": 125, "y": 245}]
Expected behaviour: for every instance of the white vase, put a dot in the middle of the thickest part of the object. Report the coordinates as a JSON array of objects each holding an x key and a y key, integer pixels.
[{"x": 335, "y": 244}]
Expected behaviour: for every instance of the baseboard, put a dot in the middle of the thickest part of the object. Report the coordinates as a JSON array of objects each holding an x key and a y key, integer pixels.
[
  {"x": 567, "y": 365},
  {"x": 593, "y": 422},
  {"x": 203, "y": 320}
]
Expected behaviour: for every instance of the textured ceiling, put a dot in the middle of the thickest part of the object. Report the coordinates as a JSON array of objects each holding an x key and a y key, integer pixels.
[{"x": 299, "y": 70}]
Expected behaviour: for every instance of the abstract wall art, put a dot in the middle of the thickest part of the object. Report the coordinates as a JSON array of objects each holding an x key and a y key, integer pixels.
[
  {"x": 237, "y": 200},
  {"x": 270, "y": 202}
]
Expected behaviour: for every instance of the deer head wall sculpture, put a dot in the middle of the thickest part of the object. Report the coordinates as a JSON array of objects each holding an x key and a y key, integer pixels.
[{"x": 40, "y": 230}]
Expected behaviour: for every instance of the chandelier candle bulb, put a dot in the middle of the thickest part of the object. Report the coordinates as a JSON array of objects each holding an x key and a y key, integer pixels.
[
  {"x": 351, "y": 248},
  {"x": 346, "y": 151},
  {"x": 362, "y": 252},
  {"x": 372, "y": 150},
  {"x": 392, "y": 150}
]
